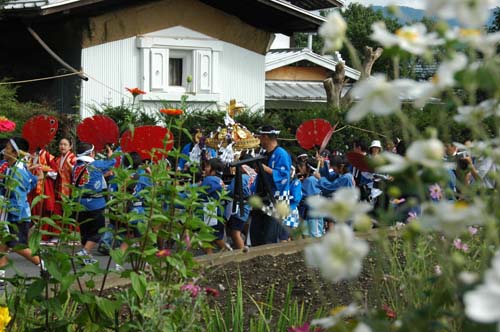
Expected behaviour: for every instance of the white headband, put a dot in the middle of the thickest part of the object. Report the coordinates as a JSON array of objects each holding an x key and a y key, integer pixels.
[
  {"x": 269, "y": 132},
  {"x": 14, "y": 145},
  {"x": 86, "y": 153}
]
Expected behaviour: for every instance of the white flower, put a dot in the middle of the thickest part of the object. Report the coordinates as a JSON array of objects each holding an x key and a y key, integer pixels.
[
  {"x": 478, "y": 39},
  {"x": 342, "y": 207},
  {"x": 483, "y": 303},
  {"x": 467, "y": 277},
  {"x": 451, "y": 217},
  {"x": 471, "y": 13},
  {"x": 473, "y": 114},
  {"x": 339, "y": 256},
  {"x": 413, "y": 39},
  {"x": 345, "y": 312},
  {"x": 428, "y": 153},
  {"x": 394, "y": 163},
  {"x": 333, "y": 31},
  {"x": 445, "y": 75},
  {"x": 377, "y": 95},
  {"x": 443, "y": 79},
  {"x": 362, "y": 327}
]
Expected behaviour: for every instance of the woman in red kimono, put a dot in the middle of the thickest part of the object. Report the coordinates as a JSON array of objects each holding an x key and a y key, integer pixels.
[
  {"x": 41, "y": 167},
  {"x": 62, "y": 165}
]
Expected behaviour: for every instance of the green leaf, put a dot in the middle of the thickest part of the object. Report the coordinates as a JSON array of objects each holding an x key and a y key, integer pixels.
[
  {"x": 34, "y": 241},
  {"x": 177, "y": 264},
  {"x": 90, "y": 284},
  {"x": 108, "y": 307},
  {"x": 117, "y": 255},
  {"x": 138, "y": 284},
  {"x": 38, "y": 199},
  {"x": 35, "y": 290}
]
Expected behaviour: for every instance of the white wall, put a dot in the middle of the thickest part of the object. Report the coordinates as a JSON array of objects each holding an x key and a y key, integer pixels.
[
  {"x": 113, "y": 66},
  {"x": 280, "y": 41}
]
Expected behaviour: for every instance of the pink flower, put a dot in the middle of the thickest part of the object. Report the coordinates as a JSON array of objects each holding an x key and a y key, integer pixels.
[
  {"x": 472, "y": 230},
  {"x": 436, "y": 192},
  {"x": 391, "y": 314},
  {"x": 187, "y": 239},
  {"x": 460, "y": 245},
  {"x": 411, "y": 216},
  {"x": 163, "y": 253},
  {"x": 6, "y": 125},
  {"x": 193, "y": 289},
  {"x": 437, "y": 270},
  {"x": 211, "y": 292}
]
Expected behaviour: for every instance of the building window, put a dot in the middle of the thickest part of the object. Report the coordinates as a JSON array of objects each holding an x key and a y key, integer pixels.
[
  {"x": 175, "y": 72},
  {"x": 167, "y": 63}
]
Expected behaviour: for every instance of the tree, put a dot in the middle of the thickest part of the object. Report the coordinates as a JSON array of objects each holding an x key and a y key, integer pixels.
[{"x": 359, "y": 21}]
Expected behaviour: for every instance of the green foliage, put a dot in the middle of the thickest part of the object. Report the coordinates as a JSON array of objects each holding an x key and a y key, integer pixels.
[
  {"x": 19, "y": 112},
  {"x": 269, "y": 318},
  {"x": 359, "y": 20},
  {"x": 125, "y": 115}
]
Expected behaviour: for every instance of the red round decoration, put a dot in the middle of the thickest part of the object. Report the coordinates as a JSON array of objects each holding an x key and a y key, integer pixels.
[
  {"x": 98, "y": 130},
  {"x": 311, "y": 133},
  {"x": 359, "y": 160},
  {"x": 145, "y": 139},
  {"x": 327, "y": 137},
  {"x": 39, "y": 131}
]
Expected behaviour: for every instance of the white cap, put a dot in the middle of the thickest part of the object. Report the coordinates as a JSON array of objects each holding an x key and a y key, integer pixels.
[{"x": 375, "y": 144}]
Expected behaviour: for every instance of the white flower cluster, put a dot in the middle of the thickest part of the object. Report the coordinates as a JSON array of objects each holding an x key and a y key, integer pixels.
[
  {"x": 339, "y": 256},
  {"x": 452, "y": 218},
  {"x": 425, "y": 152},
  {"x": 482, "y": 304}
]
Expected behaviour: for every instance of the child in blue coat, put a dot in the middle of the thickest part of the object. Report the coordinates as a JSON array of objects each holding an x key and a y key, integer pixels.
[
  {"x": 344, "y": 180},
  {"x": 310, "y": 187},
  {"x": 213, "y": 185},
  {"x": 17, "y": 182},
  {"x": 88, "y": 174}
]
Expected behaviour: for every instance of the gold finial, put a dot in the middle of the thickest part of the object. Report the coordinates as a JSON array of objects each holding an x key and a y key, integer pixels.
[{"x": 234, "y": 108}]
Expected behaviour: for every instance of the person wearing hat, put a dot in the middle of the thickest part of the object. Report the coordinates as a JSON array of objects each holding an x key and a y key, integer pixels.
[
  {"x": 264, "y": 227},
  {"x": 375, "y": 148}
]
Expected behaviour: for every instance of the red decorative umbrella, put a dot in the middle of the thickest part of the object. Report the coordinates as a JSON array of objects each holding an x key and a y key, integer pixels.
[
  {"x": 327, "y": 137},
  {"x": 311, "y": 133},
  {"x": 146, "y": 138},
  {"x": 98, "y": 130},
  {"x": 359, "y": 160},
  {"x": 39, "y": 131}
]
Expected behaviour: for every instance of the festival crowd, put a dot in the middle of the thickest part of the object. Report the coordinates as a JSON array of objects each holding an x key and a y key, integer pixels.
[{"x": 282, "y": 182}]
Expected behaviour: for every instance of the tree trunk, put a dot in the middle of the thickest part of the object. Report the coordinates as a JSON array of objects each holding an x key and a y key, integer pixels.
[
  {"x": 334, "y": 85},
  {"x": 370, "y": 57}
]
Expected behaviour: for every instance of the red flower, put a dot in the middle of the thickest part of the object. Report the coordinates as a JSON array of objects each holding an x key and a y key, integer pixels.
[
  {"x": 391, "y": 314},
  {"x": 171, "y": 111},
  {"x": 211, "y": 292},
  {"x": 163, "y": 253},
  {"x": 6, "y": 125},
  {"x": 135, "y": 91},
  {"x": 303, "y": 328}
]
